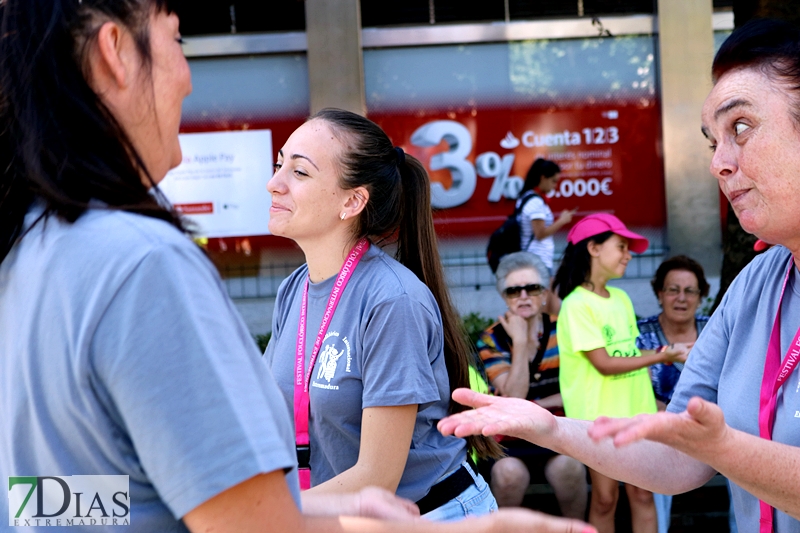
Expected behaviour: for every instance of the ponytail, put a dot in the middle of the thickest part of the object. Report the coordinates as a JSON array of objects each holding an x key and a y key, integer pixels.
[
  {"x": 399, "y": 207},
  {"x": 418, "y": 251}
]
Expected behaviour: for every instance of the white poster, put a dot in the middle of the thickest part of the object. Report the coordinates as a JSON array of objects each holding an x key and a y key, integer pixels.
[{"x": 221, "y": 185}]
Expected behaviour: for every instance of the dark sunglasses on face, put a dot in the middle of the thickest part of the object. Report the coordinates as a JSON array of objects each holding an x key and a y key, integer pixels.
[{"x": 534, "y": 289}]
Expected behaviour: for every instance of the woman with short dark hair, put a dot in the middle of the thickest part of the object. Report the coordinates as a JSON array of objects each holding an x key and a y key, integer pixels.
[
  {"x": 735, "y": 408},
  {"x": 680, "y": 286}
]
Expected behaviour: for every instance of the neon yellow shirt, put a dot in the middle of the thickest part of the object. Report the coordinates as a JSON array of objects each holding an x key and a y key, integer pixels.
[{"x": 588, "y": 321}]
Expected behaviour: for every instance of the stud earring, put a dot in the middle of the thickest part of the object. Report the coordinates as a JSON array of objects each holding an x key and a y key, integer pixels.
[{"x": 343, "y": 215}]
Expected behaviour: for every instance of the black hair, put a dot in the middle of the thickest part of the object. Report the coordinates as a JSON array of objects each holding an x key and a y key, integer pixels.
[
  {"x": 399, "y": 206},
  {"x": 59, "y": 144},
  {"x": 541, "y": 168},
  {"x": 768, "y": 44},
  {"x": 576, "y": 265},
  {"x": 680, "y": 262}
]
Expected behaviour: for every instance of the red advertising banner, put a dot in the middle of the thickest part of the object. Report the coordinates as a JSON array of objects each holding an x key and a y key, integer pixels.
[{"x": 609, "y": 159}]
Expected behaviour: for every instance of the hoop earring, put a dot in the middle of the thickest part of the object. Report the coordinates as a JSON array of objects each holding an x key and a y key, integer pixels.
[{"x": 343, "y": 215}]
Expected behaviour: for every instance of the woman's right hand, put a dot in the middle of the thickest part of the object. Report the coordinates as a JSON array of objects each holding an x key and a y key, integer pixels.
[
  {"x": 566, "y": 216},
  {"x": 514, "y": 520},
  {"x": 517, "y": 328},
  {"x": 498, "y": 415}
]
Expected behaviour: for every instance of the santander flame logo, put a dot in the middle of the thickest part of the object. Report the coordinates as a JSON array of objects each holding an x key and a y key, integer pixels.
[{"x": 509, "y": 142}]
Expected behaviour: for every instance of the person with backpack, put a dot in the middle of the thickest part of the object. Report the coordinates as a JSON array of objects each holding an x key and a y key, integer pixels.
[
  {"x": 531, "y": 226},
  {"x": 535, "y": 218}
]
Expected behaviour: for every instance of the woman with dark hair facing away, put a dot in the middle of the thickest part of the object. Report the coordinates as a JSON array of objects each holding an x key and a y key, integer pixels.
[
  {"x": 520, "y": 355},
  {"x": 121, "y": 354},
  {"x": 734, "y": 410},
  {"x": 380, "y": 365},
  {"x": 680, "y": 286},
  {"x": 537, "y": 225}
]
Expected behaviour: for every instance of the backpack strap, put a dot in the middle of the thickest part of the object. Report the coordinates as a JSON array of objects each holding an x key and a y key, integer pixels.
[{"x": 530, "y": 194}]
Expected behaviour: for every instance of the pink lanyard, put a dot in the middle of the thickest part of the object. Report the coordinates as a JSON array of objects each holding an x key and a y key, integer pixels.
[
  {"x": 775, "y": 375},
  {"x": 301, "y": 396}
]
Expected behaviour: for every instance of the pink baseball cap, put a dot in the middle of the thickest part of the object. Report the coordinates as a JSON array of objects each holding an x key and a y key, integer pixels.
[{"x": 598, "y": 223}]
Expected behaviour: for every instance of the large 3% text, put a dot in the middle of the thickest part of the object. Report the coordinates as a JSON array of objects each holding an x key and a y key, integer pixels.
[{"x": 487, "y": 165}]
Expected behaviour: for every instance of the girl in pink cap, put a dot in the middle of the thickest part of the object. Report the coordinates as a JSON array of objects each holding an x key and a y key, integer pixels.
[{"x": 602, "y": 371}]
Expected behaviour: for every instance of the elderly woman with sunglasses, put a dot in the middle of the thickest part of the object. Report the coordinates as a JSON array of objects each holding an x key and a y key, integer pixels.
[{"x": 519, "y": 364}]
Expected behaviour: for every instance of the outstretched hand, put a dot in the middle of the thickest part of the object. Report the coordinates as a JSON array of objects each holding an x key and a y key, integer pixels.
[
  {"x": 698, "y": 431},
  {"x": 495, "y": 415}
]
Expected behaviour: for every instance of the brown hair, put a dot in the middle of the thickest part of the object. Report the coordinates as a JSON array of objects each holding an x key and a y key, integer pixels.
[{"x": 58, "y": 142}]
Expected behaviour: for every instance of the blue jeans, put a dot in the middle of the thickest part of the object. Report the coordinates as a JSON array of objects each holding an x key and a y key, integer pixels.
[
  {"x": 476, "y": 500},
  {"x": 663, "y": 510}
]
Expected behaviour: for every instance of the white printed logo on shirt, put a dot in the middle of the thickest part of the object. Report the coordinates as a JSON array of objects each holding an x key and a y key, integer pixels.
[
  {"x": 333, "y": 348},
  {"x": 327, "y": 362}
]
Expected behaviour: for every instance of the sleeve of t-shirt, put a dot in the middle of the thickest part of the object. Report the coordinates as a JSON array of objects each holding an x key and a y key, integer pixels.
[
  {"x": 700, "y": 375},
  {"x": 279, "y": 315},
  {"x": 178, "y": 370},
  {"x": 584, "y": 331},
  {"x": 535, "y": 209},
  {"x": 397, "y": 369}
]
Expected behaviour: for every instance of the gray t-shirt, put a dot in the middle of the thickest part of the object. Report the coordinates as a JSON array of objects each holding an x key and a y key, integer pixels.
[
  {"x": 121, "y": 354},
  {"x": 383, "y": 348},
  {"x": 727, "y": 363}
]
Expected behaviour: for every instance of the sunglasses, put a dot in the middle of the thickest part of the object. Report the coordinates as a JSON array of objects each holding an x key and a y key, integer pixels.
[{"x": 534, "y": 289}]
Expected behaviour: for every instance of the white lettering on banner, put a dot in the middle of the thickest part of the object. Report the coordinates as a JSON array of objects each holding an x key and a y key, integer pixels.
[
  {"x": 565, "y": 138},
  {"x": 591, "y": 162},
  {"x": 489, "y": 165},
  {"x": 580, "y": 187},
  {"x": 459, "y": 142}
]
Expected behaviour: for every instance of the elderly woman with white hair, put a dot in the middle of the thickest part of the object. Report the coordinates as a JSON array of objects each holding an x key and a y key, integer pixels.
[{"x": 521, "y": 359}]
